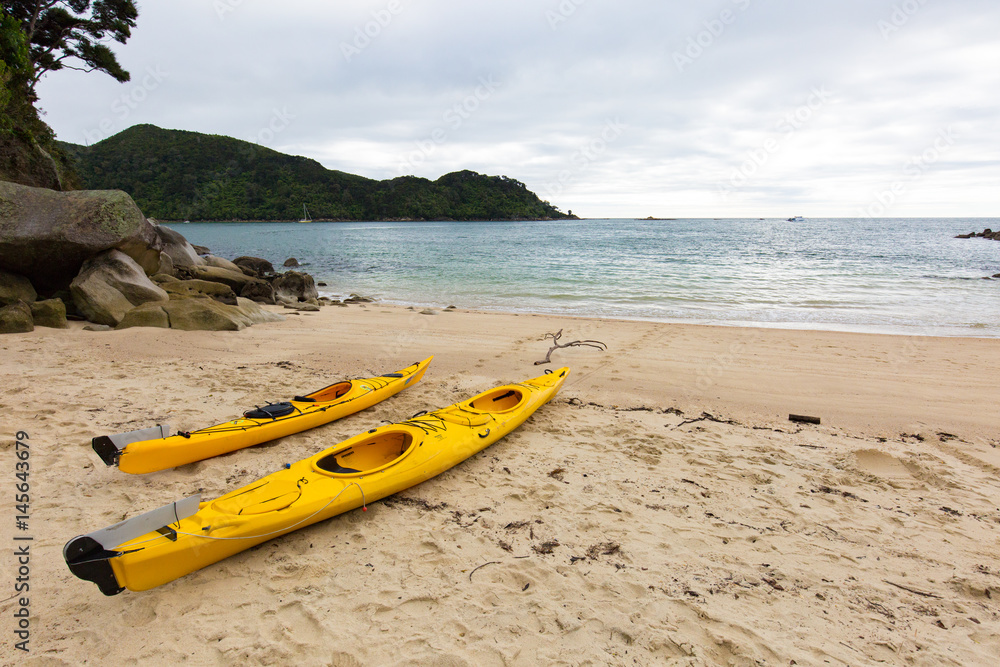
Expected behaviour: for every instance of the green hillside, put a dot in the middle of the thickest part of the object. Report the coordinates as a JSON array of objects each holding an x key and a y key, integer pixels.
[{"x": 179, "y": 175}]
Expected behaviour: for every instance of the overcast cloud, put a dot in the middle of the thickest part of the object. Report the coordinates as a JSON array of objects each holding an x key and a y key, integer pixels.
[{"x": 724, "y": 108}]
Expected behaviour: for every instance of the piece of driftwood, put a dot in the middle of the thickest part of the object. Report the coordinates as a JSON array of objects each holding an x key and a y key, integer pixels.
[
  {"x": 556, "y": 345},
  {"x": 492, "y": 562},
  {"x": 913, "y": 590},
  {"x": 803, "y": 419}
]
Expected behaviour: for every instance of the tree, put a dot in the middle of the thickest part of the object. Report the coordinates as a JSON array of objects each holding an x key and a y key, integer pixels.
[
  {"x": 15, "y": 71},
  {"x": 70, "y": 34}
]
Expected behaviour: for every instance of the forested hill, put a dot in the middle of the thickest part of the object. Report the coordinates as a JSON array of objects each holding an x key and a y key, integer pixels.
[{"x": 179, "y": 175}]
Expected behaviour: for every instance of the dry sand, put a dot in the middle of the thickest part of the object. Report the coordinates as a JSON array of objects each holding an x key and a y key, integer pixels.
[{"x": 662, "y": 510}]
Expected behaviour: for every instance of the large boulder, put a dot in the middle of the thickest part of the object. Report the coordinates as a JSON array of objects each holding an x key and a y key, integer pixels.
[
  {"x": 294, "y": 286},
  {"x": 186, "y": 288},
  {"x": 166, "y": 265},
  {"x": 16, "y": 318},
  {"x": 237, "y": 280},
  {"x": 199, "y": 314},
  {"x": 260, "y": 291},
  {"x": 174, "y": 244},
  {"x": 111, "y": 284},
  {"x": 149, "y": 314},
  {"x": 47, "y": 235},
  {"x": 220, "y": 263},
  {"x": 254, "y": 266},
  {"x": 49, "y": 313},
  {"x": 14, "y": 288}
]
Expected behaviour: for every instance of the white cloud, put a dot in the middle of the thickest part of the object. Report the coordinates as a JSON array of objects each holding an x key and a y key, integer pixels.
[{"x": 689, "y": 129}]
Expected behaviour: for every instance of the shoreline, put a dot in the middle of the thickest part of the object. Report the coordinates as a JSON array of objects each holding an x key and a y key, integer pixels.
[
  {"x": 864, "y": 383},
  {"x": 926, "y": 331},
  {"x": 661, "y": 505}
]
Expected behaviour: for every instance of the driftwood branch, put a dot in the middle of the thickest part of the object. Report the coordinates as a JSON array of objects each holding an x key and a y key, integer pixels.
[
  {"x": 492, "y": 562},
  {"x": 912, "y": 590},
  {"x": 556, "y": 345}
]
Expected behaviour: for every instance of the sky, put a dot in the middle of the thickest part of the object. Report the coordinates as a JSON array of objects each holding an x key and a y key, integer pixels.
[{"x": 633, "y": 108}]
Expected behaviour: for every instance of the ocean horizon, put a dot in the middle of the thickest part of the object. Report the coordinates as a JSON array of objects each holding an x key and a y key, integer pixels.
[{"x": 899, "y": 276}]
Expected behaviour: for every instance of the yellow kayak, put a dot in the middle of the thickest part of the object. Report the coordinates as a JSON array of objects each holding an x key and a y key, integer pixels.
[
  {"x": 152, "y": 449},
  {"x": 177, "y": 539}
]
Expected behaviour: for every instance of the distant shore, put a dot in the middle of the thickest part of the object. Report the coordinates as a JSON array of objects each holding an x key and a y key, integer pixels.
[{"x": 571, "y": 218}]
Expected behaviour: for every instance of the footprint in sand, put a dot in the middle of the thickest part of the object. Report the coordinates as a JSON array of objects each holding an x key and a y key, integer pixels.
[{"x": 881, "y": 464}]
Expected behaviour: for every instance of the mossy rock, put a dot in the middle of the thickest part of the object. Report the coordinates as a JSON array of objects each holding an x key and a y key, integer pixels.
[
  {"x": 111, "y": 284},
  {"x": 16, "y": 318},
  {"x": 187, "y": 288},
  {"x": 149, "y": 314},
  {"x": 236, "y": 280},
  {"x": 49, "y": 313},
  {"x": 15, "y": 287},
  {"x": 47, "y": 235}
]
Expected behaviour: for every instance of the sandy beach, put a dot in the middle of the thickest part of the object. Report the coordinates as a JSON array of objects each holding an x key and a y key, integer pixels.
[{"x": 661, "y": 510}]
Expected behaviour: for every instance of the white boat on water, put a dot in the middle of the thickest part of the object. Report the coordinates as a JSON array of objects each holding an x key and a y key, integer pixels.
[
  {"x": 797, "y": 218},
  {"x": 305, "y": 214}
]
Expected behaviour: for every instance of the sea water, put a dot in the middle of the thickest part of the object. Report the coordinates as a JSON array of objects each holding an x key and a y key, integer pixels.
[{"x": 895, "y": 276}]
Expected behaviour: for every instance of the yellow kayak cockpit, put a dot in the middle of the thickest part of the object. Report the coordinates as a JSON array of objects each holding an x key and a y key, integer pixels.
[
  {"x": 371, "y": 455},
  {"x": 326, "y": 394},
  {"x": 502, "y": 399}
]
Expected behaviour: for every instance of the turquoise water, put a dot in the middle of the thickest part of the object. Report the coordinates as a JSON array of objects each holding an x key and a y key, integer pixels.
[{"x": 901, "y": 276}]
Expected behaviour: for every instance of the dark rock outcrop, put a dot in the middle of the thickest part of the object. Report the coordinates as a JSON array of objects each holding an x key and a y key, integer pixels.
[
  {"x": 291, "y": 262},
  {"x": 46, "y": 235},
  {"x": 24, "y": 160},
  {"x": 294, "y": 286},
  {"x": 14, "y": 288},
  {"x": 985, "y": 234},
  {"x": 260, "y": 291},
  {"x": 254, "y": 266},
  {"x": 111, "y": 284}
]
